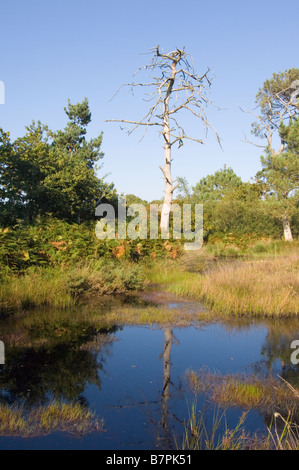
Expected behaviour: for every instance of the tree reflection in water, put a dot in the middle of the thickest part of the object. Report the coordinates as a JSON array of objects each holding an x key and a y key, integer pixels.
[
  {"x": 35, "y": 376},
  {"x": 57, "y": 363},
  {"x": 166, "y": 436}
]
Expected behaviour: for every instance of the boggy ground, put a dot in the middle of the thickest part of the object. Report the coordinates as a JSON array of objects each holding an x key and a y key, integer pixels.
[{"x": 254, "y": 287}]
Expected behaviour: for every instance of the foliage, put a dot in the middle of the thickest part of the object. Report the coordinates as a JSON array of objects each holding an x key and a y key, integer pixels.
[
  {"x": 231, "y": 207},
  {"x": 48, "y": 172},
  {"x": 214, "y": 187},
  {"x": 274, "y": 102},
  {"x": 278, "y": 121},
  {"x": 280, "y": 172},
  {"x": 242, "y": 211}
]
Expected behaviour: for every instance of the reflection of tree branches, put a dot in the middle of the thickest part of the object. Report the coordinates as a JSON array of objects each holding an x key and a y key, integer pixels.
[
  {"x": 165, "y": 395},
  {"x": 35, "y": 376},
  {"x": 277, "y": 348}
]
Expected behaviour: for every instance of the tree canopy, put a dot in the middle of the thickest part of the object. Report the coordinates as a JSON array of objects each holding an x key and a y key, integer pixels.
[
  {"x": 278, "y": 123},
  {"x": 52, "y": 172},
  {"x": 215, "y": 186}
]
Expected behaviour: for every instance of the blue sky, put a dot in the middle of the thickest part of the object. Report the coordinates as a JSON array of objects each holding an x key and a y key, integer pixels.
[{"x": 52, "y": 51}]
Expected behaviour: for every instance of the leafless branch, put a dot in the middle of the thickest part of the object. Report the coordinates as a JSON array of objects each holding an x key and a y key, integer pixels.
[
  {"x": 139, "y": 123},
  {"x": 177, "y": 88},
  {"x": 165, "y": 176},
  {"x": 267, "y": 129},
  {"x": 246, "y": 141},
  {"x": 175, "y": 186}
]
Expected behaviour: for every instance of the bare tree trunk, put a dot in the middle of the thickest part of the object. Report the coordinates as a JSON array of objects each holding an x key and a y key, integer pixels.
[
  {"x": 177, "y": 80},
  {"x": 287, "y": 230},
  {"x": 164, "y": 224},
  {"x": 166, "y": 378}
]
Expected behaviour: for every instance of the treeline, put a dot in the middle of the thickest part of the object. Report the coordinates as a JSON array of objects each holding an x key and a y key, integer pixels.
[
  {"x": 235, "y": 208},
  {"x": 47, "y": 173},
  {"x": 50, "y": 186},
  {"x": 269, "y": 206}
]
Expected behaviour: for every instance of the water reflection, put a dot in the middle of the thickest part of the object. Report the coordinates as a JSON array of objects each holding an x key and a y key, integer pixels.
[
  {"x": 61, "y": 373},
  {"x": 37, "y": 375},
  {"x": 71, "y": 360},
  {"x": 277, "y": 347},
  {"x": 165, "y": 395}
]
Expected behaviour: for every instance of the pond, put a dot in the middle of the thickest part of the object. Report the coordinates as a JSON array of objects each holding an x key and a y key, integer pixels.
[{"x": 133, "y": 377}]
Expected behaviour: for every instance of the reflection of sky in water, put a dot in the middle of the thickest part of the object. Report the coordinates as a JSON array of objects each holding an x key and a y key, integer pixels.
[
  {"x": 129, "y": 398},
  {"x": 133, "y": 382}
]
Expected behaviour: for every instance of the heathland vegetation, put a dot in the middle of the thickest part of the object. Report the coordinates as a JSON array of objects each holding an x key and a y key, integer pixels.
[{"x": 50, "y": 254}]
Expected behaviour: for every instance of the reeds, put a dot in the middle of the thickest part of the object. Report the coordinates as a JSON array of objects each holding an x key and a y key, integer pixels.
[
  {"x": 283, "y": 434},
  {"x": 245, "y": 393},
  {"x": 217, "y": 436}
]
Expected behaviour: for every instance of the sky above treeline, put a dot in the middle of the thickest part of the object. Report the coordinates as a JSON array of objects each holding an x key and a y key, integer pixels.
[{"x": 70, "y": 49}]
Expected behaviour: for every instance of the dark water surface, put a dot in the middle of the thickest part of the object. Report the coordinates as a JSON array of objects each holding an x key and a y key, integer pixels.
[{"x": 134, "y": 377}]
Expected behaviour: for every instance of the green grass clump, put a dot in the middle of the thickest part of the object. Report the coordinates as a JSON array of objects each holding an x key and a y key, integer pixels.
[
  {"x": 71, "y": 418},
  {"x": 12, "y": 420},
  {"x": 245, "y": 392}
]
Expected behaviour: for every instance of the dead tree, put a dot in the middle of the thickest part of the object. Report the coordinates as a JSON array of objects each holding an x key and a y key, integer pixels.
[{"x": 177, "y": 88}]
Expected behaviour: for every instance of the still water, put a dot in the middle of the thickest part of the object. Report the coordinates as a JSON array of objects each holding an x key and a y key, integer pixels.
[{"x": 134, "y": 377}]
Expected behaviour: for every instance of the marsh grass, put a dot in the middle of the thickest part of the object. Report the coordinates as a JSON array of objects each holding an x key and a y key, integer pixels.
[
  {"x": 70, "y": 418},
  {"x": 198, "y": 435},
  {"x": 42, "y": 287},
  {"x": 281, "y": 434},
  {"x": 65, "y": 287},
  {"x": 246, "y": 392},
  {"x": 268, "y": 287},
  {"x": 12, "y": 420}
]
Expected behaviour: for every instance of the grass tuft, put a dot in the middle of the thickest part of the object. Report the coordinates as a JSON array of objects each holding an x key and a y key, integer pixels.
[
  {"x": 71, "y": 418},
  {"x": 245, "y": 392}
]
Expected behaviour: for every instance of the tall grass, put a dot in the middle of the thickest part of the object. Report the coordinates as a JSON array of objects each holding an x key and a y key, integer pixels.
[
  {"x": 41, "y": 287},
  {"x": 281, "y": 434},
  {"x": 197, "y": 435},
  {"x": 249, "y": 248},
  {"x": 63, "y": 288},
  {"x": 267, "y": 287}
]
